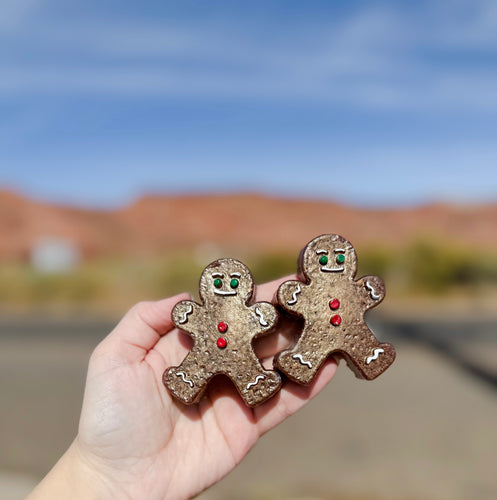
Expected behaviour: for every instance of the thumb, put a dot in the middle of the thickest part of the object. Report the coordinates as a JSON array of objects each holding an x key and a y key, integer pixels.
[{"x": 141, "y": 328}]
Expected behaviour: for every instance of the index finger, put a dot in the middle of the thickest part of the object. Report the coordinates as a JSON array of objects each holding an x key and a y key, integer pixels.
[
  {"x": 280, "y": 339},
  {"x": 266, "y": 291}
]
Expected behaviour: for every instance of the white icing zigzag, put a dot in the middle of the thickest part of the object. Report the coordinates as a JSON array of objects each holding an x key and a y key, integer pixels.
[
  {"x": 262, "y": 321},
  {"x": 294, "y": 295},
  {"x": 259, "y": 377},
  {"x": 372, "y": 291},
  {"x": 375, "y": 355},
  {"x": 301, "y": 359},
  {"x": 183, "y": 376},
  {"x": 184, "y": 319}
]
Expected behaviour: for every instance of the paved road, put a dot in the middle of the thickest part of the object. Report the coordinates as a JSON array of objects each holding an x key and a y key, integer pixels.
[{"x": 426, "y": 429}]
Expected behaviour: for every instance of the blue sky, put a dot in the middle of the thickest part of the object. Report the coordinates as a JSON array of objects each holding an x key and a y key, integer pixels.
[{"x": 368, "y": 103}]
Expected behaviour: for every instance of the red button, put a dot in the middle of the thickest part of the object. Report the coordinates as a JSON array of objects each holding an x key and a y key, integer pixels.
[
  {"x": 334, "y": 304},
  {"x": 336, "y": 320},
  {"x": 221, "y": 343},
  {"x": 222, "y": 327}
]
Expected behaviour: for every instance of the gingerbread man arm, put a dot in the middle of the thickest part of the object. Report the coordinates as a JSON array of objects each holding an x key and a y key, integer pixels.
[
  {"x": 265, "y": 315},
  {"x": 289, "y": 294},
  {"x": 185, "y": 316},
  {"x": 373, "y": 288}
]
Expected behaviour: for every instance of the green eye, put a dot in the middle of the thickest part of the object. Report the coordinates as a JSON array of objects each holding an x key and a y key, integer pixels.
[
  {"x": 341, "y": 258},
  {"x": 234, "y": 283},
  {"x": 218, "y": 283},
  {"x": 323, "y": 260}
]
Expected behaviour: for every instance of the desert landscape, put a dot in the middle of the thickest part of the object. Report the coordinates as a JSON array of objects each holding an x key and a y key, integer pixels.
[
  {"x": 260, "y": 223},
  {"x": 158, "y": 245}
]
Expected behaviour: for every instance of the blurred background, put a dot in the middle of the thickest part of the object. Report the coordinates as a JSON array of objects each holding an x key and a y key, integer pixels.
[{"x": 139, "y": 141}]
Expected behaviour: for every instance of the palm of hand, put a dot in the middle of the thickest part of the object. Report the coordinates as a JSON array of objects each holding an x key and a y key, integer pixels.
[{"x": 150, "y": 446}]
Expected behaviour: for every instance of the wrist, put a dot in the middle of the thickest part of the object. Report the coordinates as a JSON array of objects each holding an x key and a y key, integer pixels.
[{"x": 73, "y": 476}]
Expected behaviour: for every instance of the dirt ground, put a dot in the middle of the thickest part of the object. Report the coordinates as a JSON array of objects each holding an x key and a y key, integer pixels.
[{"x": 425, "y": 430}]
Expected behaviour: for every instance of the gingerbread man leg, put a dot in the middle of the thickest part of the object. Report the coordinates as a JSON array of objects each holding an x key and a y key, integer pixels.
[
  {"x": 186, "y": 381},
  {"x": 365, "y": 355},
  {"x": 302, "y": 362},
  {"x": 255, "y": 384}
]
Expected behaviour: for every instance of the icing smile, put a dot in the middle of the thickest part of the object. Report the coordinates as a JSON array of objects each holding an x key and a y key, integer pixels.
[
  {"x": 222, "y": 292},
  {"x": 332, "y": 269}
]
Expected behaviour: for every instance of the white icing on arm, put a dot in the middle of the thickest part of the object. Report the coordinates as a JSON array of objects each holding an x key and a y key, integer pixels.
[
  {"x": 184, "y": 319},
  {"x": 294, "y": 295},
  {"x": 372, "y": 291},
  {"x": 262, "y": 320}
]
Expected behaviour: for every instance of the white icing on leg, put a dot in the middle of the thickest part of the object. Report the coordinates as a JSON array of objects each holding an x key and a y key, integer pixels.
[
  {"x": 302, "y": 361},
  {"x": 294, "y": 295},
  {"x": 262, "y": 320},
  {"x": 183, "y": 376},
  {"x": 375, "y": 355},
  {"x": 259, "y": 377},
  {"x": 372, "y": 291}
]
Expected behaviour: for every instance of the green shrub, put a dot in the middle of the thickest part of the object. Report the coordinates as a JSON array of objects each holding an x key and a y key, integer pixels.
[
  {"x": 436, "y": 267},
  {"x": 267, "y": 267},
  {"x": 376, "y": 261}
]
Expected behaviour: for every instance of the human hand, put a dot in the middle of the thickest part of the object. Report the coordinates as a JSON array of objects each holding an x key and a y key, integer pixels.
[{"x": 135, "y": 441}]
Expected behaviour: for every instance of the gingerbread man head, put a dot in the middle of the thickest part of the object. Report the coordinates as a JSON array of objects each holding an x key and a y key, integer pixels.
[
  {"x": 328, "y": 255},
  {"x": 228, "y": 279}
]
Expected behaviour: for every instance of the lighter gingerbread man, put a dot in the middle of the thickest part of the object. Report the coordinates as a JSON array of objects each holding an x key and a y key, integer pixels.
[
  {"x": 332, "y": 306},
  {"x": 223, "y": 328}
]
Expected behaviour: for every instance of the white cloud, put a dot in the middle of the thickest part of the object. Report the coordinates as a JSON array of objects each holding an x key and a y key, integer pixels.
[{"x": 376, "y": 58}]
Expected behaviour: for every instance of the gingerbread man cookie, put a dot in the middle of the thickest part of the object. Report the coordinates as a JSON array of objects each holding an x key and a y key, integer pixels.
[
  {"x": 332, "y": 306},
  {"x": 223, "y": 327}
]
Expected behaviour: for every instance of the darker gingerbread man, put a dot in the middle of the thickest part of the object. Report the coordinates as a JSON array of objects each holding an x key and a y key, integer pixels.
[
  {"x": 223, "y": 327},
  {"x": 332, "y": 306}
]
